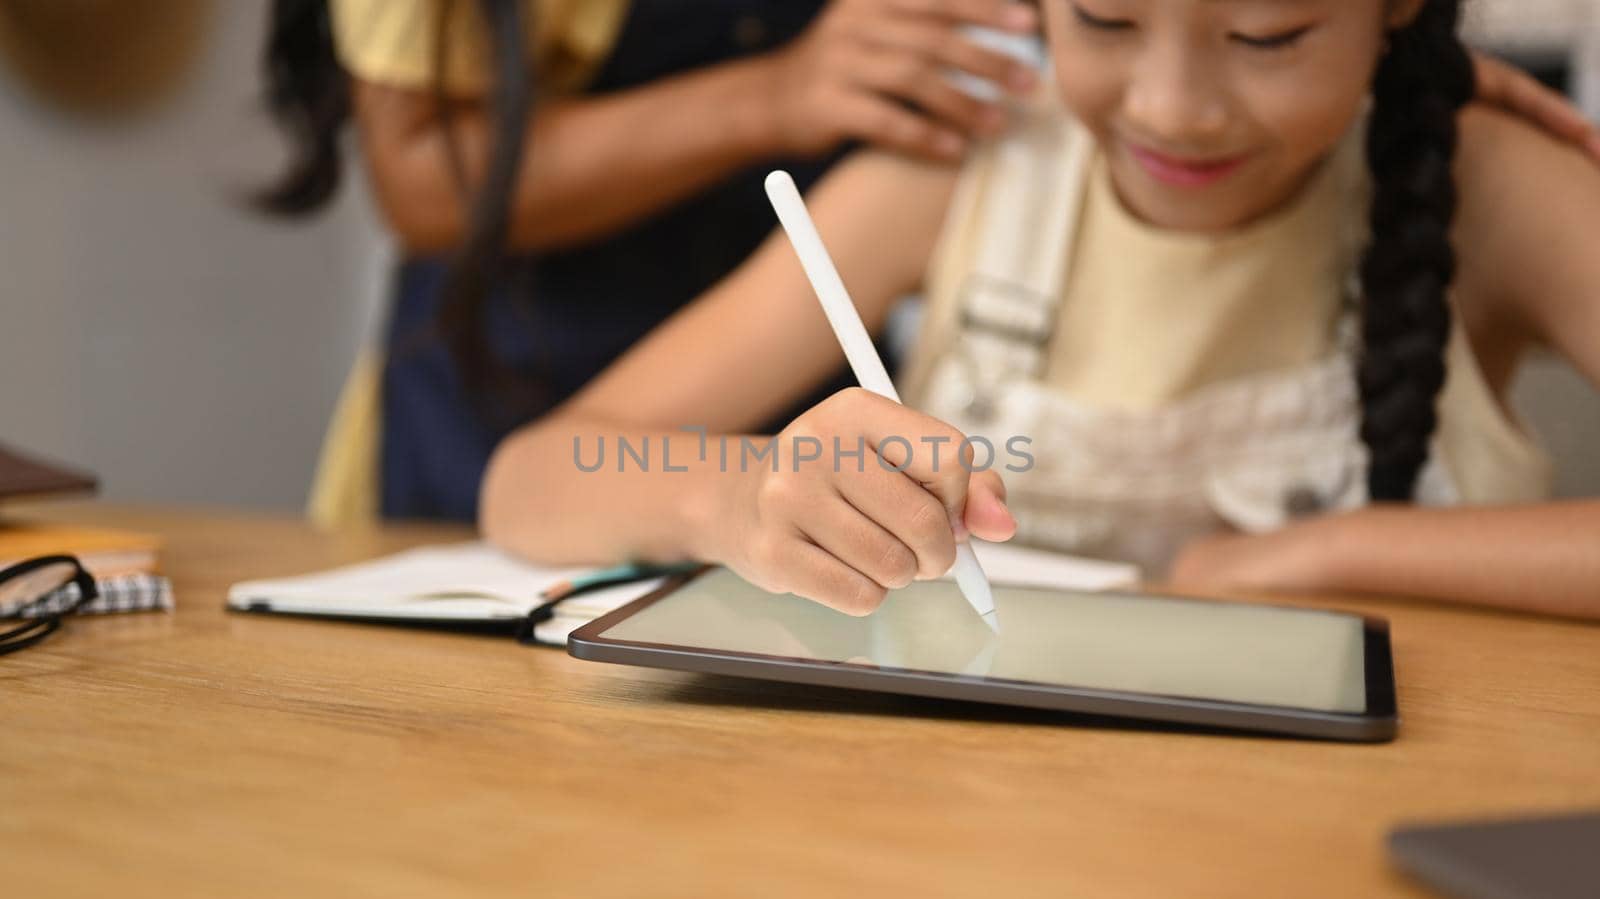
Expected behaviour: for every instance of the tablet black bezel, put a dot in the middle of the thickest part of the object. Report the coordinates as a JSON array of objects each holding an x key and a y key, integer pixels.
[{"x": 1378, "y": 723}]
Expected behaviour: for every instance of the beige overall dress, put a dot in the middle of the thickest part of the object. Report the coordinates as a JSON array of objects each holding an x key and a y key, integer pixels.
[{"x": 1171, "y": 384}]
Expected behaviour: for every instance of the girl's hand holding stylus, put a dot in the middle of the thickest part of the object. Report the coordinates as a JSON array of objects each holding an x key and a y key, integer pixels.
[{"x": 843, "y": 529}]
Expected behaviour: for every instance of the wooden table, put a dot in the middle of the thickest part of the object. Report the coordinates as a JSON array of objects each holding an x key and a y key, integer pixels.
[{"x": 211, "y": 754}]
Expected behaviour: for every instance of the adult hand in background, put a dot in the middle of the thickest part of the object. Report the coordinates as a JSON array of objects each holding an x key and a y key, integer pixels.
[
  {"x": 875, "y": 70},
  {"x": 1517, "y": 92}
]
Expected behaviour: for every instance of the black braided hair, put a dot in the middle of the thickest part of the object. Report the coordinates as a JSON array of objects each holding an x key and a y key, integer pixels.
[
  {"x": 308, "y": 94},
  {"x": 1423, "y": 80}
]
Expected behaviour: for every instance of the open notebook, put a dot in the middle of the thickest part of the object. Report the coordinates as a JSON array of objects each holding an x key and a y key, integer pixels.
[{"x": 469, "y": 583}]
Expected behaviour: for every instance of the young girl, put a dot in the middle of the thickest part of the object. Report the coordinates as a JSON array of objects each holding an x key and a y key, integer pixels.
[{"x": 1252, "y": 300}]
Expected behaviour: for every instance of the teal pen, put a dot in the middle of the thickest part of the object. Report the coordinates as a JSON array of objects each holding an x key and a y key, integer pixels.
[{"x": 625, "y": 573}]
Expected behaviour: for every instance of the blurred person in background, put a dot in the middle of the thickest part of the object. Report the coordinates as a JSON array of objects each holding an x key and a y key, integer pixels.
[
  {"x": 540, "y": 241},
  {"x": 640, "y": 183}
]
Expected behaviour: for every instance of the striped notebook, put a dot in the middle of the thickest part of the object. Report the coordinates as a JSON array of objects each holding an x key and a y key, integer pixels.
[{"x": 124, "y": 593}]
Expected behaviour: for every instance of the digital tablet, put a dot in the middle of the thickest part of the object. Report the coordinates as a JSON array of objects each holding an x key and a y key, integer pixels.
[
  {"x": 1278, "y": 669},
  {"x": 1546, "y": 857}
]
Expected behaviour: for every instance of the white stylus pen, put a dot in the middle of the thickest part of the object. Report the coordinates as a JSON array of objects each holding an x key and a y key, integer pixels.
[{"x": 860, "y": 352}]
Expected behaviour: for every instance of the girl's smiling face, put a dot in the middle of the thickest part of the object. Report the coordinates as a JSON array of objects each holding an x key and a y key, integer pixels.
[{"x": 1212, "y": 113}]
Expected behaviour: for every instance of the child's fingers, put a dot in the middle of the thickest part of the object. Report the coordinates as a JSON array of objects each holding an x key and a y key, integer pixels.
[
  {"x": 903, "y": 508},
  {"x": 909, "y": 474},
  {"x": 813, "y": 573},
  {"x": 923, "y": 448},
  {"x": 860, "y": 542},
  {"x": 986, "y": 515},
  {"x": 990, "y": 480}
]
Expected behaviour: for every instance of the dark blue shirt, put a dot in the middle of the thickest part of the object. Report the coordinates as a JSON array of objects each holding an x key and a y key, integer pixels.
[{"x": 555, "y": 320}]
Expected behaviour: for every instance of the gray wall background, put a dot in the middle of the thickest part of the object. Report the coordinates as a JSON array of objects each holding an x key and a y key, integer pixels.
[
  {"x": 154, "y": 330},
  {"x": 188, "y": 351}
]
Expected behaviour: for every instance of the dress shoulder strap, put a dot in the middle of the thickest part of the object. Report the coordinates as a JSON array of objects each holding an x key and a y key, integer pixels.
[
  {"x": 1004, "y": 256},
  {"x": 1026, "y": 218}
]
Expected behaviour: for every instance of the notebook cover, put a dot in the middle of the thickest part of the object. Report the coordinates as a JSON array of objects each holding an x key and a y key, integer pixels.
[
  {"x": 126, "y": 593},
  {"x": 103, "y": 551}
]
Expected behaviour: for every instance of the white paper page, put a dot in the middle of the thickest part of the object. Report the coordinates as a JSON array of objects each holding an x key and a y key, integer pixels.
[
  {"x": 476, "y": 582},
  {"x": 466, "y": 581}
]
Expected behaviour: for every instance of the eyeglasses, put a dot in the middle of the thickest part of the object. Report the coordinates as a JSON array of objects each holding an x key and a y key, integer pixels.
[{"x": 41, "y": 592}]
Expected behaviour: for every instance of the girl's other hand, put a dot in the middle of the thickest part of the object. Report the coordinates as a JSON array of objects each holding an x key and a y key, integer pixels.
[
  {"x": 842, "y": 529},
  {"x": 1293, "y": 558}
]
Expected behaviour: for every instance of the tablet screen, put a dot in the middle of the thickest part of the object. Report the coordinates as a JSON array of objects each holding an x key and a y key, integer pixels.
[{"x": 1263, "y": 655}]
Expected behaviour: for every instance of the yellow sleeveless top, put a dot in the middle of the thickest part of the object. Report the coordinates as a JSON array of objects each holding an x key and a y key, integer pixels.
[
  {"x": 397, "y": 42},
  {"x": 1172, "y": 383}
]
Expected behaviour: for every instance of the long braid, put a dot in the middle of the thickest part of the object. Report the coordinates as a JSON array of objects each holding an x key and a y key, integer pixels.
[{"x": 1422, "y": 82}]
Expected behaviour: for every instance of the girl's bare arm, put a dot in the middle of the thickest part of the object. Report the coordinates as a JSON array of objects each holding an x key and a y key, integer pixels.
[
  {"x": 1528, "y": 248},
  {"x": 751, "y": 347}
]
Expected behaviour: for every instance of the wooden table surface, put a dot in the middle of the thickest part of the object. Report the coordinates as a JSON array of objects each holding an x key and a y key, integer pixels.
[{"x": 205, "y": 753}]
